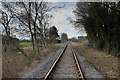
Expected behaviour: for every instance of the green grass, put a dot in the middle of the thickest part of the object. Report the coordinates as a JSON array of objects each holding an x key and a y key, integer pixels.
[{"x": 26, "y": 45}]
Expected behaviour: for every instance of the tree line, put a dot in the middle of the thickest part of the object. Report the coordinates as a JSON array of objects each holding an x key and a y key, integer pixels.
[
  {"x": 101, "y": 23},
  {"x": 28, "y": 19}
]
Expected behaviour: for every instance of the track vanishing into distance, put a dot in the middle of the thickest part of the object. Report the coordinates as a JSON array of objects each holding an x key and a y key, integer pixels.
[{"x": 66, "y": 66}]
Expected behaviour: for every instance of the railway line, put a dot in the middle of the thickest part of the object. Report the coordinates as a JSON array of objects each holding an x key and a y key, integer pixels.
[{"x": 66, "y": 65}]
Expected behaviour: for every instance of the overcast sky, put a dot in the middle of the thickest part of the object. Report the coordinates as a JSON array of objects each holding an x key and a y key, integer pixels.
[{"x": 60, "y": 20}]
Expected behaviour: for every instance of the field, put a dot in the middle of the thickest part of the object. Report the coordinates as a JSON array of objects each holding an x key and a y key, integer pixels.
[{"x": 26, "y": 45}]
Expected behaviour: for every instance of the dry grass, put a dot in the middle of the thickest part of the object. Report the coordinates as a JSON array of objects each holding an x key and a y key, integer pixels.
[
  {"x": 107, "y": 64},
  {"x": 14, "y": 64}
]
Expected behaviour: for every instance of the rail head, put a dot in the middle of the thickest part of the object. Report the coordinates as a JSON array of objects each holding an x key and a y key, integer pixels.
[
  {"x": 81, "y": 76},
  {"x": 51, "y": 68}
]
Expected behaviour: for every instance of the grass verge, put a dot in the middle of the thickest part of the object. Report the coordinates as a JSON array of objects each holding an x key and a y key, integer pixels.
[
  {"x": 14, "y": 65},
  {"x": 105, "y": 63}
]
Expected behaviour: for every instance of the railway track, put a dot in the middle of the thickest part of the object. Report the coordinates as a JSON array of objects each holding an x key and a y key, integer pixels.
[{"x": 66, "y": 65}]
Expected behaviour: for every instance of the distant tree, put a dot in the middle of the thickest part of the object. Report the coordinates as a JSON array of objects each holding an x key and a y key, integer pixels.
[
  {"x": 73, "y": 39},
  {"x": 64, "y": 36},
  {"x": 53, "y": 33}
]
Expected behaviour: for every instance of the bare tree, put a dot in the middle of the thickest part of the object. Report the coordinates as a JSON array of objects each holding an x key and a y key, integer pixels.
[
  {"x": 34, "y": 16},
  {"x": 5, "y": 20}
]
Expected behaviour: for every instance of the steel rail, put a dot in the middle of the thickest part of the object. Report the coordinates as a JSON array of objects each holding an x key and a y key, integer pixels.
[
  {"x": 50, "y": 70},
  {"x": 80, "y": 73}
]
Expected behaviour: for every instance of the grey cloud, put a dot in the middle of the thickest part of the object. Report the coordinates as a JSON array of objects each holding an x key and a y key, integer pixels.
[{"x": 60, "y": 21}]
